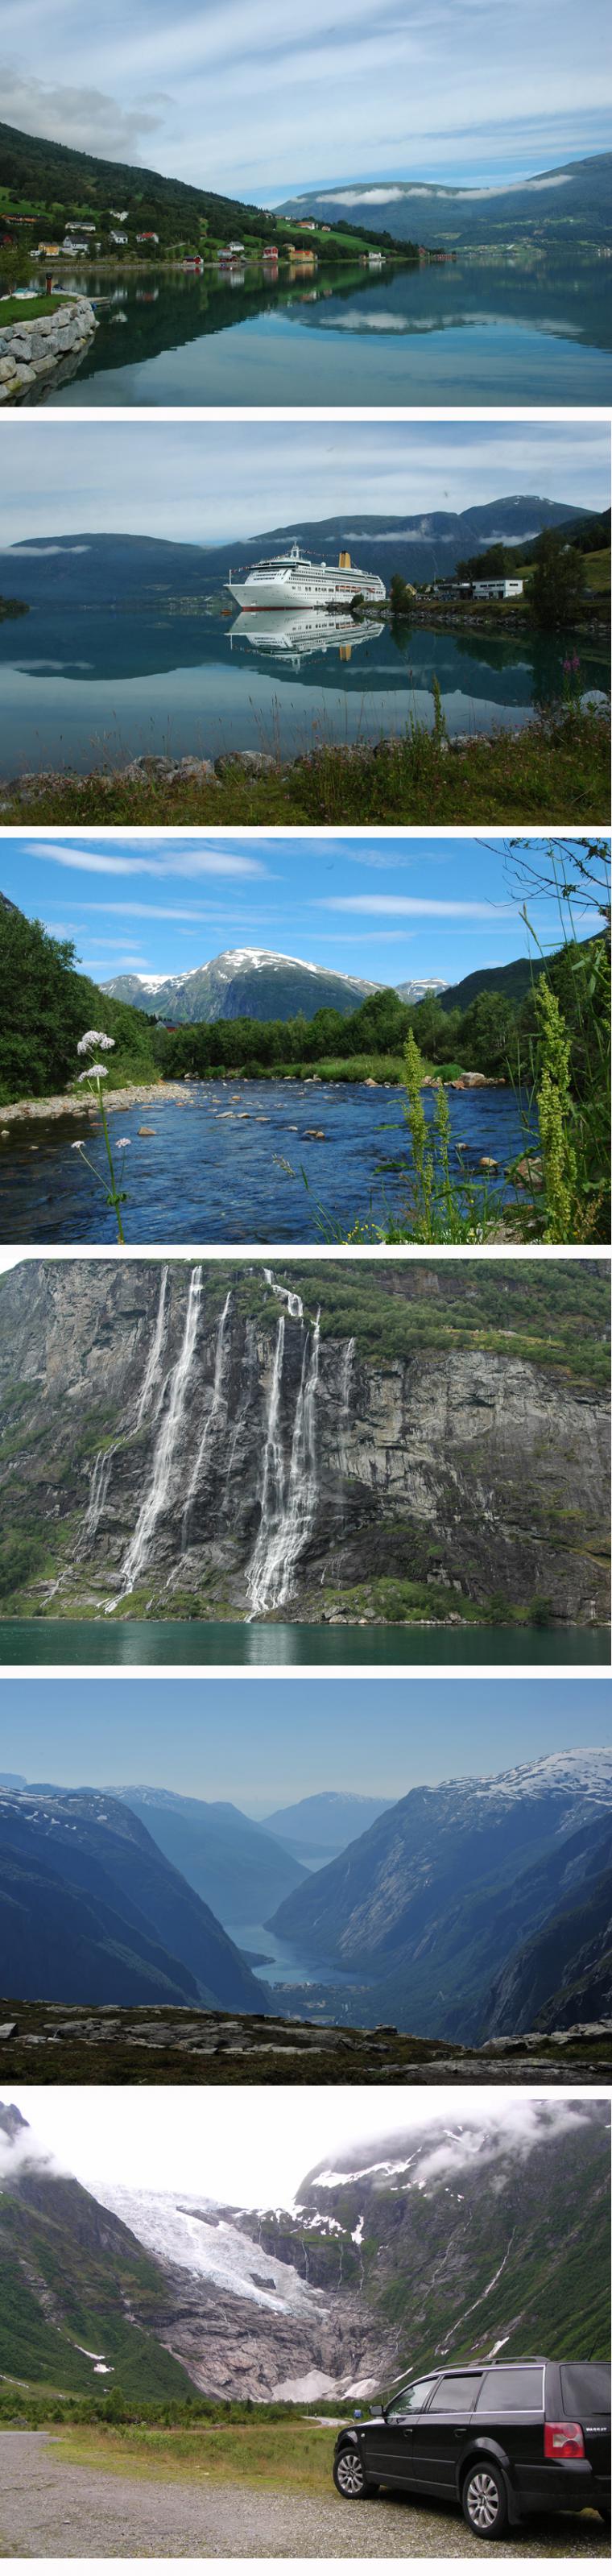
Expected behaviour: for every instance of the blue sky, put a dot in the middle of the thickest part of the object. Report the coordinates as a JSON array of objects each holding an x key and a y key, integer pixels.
[
  {"x": 261, "y": 101},
  {"x": 264, "y": 1743},
  {"x": 379, "y": 905},
  {"x": 208, "y": 482}
]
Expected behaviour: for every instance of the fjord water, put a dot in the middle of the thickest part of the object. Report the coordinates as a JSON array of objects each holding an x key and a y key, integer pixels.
[
  {"x": 90, "y": 687},
  {"x": 194, "y": 1642},
  {"x": 228, "y": 1165},
  {"x": 534, "y": 327}
]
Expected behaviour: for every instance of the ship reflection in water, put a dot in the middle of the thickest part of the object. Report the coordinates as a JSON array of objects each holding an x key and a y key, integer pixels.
[{"x": 307, "y": 630}]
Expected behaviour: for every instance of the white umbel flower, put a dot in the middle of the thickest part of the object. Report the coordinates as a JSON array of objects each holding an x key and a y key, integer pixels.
[
  {"x": 94, "y": 1038},
  {"x": 123, "y": 1140},
  {"x": 100, "y": 1069}
]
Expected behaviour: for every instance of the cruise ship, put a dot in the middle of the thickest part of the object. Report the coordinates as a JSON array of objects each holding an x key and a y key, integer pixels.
[{"x": 294, "y": 581}]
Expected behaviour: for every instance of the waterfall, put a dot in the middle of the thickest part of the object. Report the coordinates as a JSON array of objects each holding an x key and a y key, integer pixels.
[
  {"x": 345, "y": 1382},
  {"x": 152, "y": 1367},
  {"x": 294, "y": 1303},
  {"x": 211, "y": 1417},
  {"x": 98, "y": 1490},
  {"x": 272, "y": 1483},
  {"x": 286, "y": 1517},
  {"x": 165, "y": 1454}
]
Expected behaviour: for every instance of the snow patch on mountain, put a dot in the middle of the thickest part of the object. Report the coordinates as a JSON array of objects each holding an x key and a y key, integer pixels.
[{"x": 201, "y": 2241}]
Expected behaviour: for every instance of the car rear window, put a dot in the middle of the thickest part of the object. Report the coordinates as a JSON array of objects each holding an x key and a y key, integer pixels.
[
  {"x": 454, "y": 2393},
  {"x": 585, "y": 2387},
  {"x": 505, "y": 2388}
]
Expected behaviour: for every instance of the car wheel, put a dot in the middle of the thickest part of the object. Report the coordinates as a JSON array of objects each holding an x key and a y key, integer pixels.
[
  {"x": 484, "y": 2501},
  {"x": 350, "y": 2478}
]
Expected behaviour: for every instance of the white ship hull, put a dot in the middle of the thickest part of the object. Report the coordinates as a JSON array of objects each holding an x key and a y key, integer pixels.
[
  {"x": 306, "y": 632},
  {"x": 336, "y": 591}
]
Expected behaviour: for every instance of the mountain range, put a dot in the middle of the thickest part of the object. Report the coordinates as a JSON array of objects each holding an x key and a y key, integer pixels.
[
  {"x": 569, "y": 205},
  {"x": 316, "y": 1828},
  {"x": 435, "y": 2241},
  {"x": 231, "y": 1862},
  {"x": 253, "y": 983},
  {"x": 91, "y": 1910},
  {"x": 476, "y": 1907},
  {"x": 89, "y": 570}
]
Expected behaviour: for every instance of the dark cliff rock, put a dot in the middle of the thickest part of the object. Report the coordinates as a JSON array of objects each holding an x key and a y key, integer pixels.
[{"x": 198, "y": 1451}]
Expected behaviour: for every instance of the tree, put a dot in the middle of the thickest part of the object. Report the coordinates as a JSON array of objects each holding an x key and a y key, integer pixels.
[
  {"x": 488, "y": 1033},
  {"x": 400, "y": 595},
  {"x": 557, "y": 588}
]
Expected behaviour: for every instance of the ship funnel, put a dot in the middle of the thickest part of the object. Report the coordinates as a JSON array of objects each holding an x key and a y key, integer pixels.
[{"x": 344, "y": 563}]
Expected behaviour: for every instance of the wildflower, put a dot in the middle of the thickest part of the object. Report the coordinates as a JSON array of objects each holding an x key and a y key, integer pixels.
[
  {"x": 100, "y": 1070},
  {"x": 94, "y": 1038},
  {"x": 123, "y": 1140},
  {"x": 76, "y": 1149}
]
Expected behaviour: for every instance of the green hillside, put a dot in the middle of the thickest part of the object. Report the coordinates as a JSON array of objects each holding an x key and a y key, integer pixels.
[
  {"x": 38, "y": 176},
  {"x": 75, "y": 2284},
  {"x": 46, "y": 1007}
]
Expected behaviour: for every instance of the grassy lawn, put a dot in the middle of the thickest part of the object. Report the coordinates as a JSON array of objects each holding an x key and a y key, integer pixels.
[
  {"x": 558, "y": 767},
  {"x": 22, "y": 308},
  {"x": 294, "y": 2459},
  {"x": 597, "y": 571}
]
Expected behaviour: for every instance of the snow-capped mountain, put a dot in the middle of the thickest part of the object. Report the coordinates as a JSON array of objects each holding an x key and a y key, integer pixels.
[
  {"x": 434, "y": 1901},
  {"x": 243, "y": 983},
  {"x": 254, "y": 983},
  {"x": 201, "y": 2239}
]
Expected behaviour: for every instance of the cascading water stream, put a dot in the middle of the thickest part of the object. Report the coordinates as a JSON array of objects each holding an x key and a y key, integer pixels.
[
  {"x": 212, "y": 1417},
  {"x": 272, "y": 1483},
  {"x": 152, "y": 1371},
  {"x": 287, "y": 1517},
  {"x": 98, "y": 1492},
  {"x": 294, "y": 1303},
  {"x": 345, "y": 1382},
  {"x": 156, "y": 1499}
]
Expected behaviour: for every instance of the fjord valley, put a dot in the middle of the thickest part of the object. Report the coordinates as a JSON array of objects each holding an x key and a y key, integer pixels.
[
  {"x": 211, "y": 1444},
  {"x": 404, "y": 293},
  {"x": 477, "y": 1913}
]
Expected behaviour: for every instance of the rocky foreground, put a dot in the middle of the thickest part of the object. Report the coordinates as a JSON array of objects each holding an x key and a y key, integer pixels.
[{"x": 60, "y": 2044}]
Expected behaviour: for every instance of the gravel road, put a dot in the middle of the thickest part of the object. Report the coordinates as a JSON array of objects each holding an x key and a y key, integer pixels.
[{"x": 50, "y": 2510}]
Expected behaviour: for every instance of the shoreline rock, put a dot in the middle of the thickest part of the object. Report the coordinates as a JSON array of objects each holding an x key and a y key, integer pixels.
[
  {"x": 64, "y": 1104},
  {"x": 30, "y": 351}
]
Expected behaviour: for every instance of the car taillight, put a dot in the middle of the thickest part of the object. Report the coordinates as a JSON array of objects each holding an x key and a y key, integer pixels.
[{"x": 563, "y": 2442}]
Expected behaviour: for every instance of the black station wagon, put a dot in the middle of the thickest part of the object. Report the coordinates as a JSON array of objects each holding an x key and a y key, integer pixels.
[{"x": 502, "y": 2439}]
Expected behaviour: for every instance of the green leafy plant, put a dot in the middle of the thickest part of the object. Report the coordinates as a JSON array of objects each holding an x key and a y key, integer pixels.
[{"x": 94, "y": 1076}]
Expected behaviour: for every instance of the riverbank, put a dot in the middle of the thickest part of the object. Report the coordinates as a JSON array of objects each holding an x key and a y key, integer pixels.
[
  {"x": 558, "y": 763},
  {"x": 70, "y": 1104}
]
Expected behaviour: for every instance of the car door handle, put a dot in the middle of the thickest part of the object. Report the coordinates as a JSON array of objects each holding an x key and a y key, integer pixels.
[{"x": 460, "y": 2428}]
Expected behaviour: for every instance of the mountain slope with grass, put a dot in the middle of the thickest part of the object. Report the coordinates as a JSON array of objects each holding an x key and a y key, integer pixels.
[{"x": 81, "y": 2303}]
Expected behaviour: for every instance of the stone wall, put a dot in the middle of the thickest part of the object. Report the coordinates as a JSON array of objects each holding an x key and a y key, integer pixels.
[{"x": 30, "y": 350}]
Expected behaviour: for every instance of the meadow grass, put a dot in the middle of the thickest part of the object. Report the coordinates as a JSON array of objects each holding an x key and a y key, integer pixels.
[
  {"x": 560, "y": 764},
  {"x": 293, "y": 2458}
]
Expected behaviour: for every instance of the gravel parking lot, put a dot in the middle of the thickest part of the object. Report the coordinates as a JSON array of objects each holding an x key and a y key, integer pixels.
[{"x": 51, "y": 2510}]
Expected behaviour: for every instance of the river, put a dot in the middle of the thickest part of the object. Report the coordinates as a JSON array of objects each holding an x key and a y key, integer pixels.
[
  {"x": 228, "y": 1166},
  {"x": 209, "y": 1643},
  {"x": 533, "y": 331},
  {"x": 91, "y": 687}
]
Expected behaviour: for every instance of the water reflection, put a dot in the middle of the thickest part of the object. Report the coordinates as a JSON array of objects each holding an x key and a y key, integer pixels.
[
  {"x": 306, "y": 632},
  {"x": 469, "y": 331}
]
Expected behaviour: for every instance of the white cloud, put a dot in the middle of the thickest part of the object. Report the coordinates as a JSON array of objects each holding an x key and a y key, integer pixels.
[
  {"x": 421, "y": 907},
  {"x": 212, "y": 862}
]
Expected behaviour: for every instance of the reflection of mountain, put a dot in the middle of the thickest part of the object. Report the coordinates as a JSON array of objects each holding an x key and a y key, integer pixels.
[
  {"x": 99, "y": 644},
  {"x": 295, "y": 638},
  {"x": 182, "y": 309},
  {"x": 562, "y": 298}
]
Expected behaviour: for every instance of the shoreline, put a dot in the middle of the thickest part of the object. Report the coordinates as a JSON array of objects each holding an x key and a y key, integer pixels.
[{"x": 63, "y": 1104}]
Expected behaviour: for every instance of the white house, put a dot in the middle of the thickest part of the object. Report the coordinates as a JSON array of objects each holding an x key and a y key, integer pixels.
[
  {"x": 502, "y": 589},
  {"x": 119, "y": 237},
  {"x": 145, "y": 237}
]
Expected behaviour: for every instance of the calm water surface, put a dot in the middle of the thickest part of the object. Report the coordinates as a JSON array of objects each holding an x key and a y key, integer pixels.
[
  {"x": 227, "y": 1167},
  {"x": 469, "y": 332},
  {"x": 210, "y": 1642},
  {"x": 88, "y": 688}
]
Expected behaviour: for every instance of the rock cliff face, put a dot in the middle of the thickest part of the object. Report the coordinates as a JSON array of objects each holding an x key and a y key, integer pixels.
[{"x": 195, "y": 1442}]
